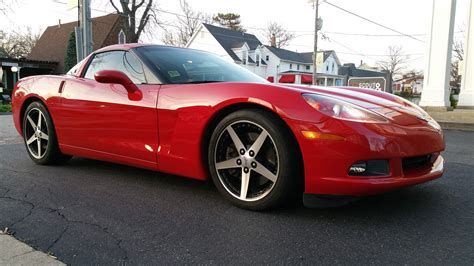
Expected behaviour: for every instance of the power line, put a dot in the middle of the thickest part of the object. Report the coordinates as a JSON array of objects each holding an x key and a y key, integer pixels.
[
  {"x": 354, "y": 52},
  {"x": 373, "y": 35},
  {"x": 373, "y": 22}
]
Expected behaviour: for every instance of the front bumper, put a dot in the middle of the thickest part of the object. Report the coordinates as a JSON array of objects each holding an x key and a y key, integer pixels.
[
  {"x": 360, "y": 186},
  {"x": 326, "y": 162}
]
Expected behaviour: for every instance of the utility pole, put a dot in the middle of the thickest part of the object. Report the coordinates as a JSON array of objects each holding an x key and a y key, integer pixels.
[
  {"x": 86, "y": 27},
  {"x": 78, "y": 29},
  {"x": 315, "y": 51}
]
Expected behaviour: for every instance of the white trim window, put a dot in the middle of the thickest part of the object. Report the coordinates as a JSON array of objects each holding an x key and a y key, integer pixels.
[{"x": 122, "y": 38}]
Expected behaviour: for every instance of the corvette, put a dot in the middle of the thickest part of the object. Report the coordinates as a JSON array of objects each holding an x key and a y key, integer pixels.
[{"x": 194, "y": 114}]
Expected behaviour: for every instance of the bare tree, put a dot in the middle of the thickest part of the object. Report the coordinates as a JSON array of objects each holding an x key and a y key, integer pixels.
[
  {"x": 138, "y": 15},
  {"x": 5, "y": 6},
  {"x": 458, "y": 49},
  {"x": 458, "y": 45},
  {"x": 18, "y": 44},
  {"x": 458, "y": 56},
  {"x": 395, "y": 61},
  {"x": 283, "y": 36},
  {"x": 186, "y": 25}
]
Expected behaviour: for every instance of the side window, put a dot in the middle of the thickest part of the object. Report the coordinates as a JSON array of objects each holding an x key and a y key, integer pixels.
[
  {"x": 117, "y": 60},
  {"x": 74, "y": 69},
  {"x": 133, "y": 68}
]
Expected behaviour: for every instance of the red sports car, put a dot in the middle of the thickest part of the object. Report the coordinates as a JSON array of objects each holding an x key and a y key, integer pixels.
[{"x": 194, "y": 114}]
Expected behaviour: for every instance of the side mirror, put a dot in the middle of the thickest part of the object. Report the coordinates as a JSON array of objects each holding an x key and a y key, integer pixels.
[{"x": 117, "y": 77}]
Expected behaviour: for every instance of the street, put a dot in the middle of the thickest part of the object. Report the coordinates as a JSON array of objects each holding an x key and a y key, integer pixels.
[{"x": 92, "y": 212}]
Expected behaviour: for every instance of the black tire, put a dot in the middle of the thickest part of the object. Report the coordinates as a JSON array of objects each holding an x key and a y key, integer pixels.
[
  {"x": 49, "y": 148},
  {"x": 288, "y": 171}
]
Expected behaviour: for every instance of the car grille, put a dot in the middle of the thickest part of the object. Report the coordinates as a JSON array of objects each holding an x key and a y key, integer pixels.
[{"x": 418, "y": 162}]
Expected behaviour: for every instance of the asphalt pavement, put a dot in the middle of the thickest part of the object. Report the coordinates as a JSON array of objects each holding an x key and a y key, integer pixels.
[{"x": 92, "y": 212}]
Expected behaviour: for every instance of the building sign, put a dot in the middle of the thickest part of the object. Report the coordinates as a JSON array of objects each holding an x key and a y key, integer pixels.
[{"x": 376, "y": 83}]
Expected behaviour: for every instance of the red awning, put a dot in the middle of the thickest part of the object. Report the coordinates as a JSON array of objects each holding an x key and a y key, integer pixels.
[
  {"x": 271, "y": 79},
  {"x": 287, "y": 78},
  {"x": 306, "y": 79}
]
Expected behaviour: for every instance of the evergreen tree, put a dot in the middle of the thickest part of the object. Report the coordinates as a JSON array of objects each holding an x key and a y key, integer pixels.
[
  {"x": 229, "y": 20},
  {"x": 71, "y": 57}
]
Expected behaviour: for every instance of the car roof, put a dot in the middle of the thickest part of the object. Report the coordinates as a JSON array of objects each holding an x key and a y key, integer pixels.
[{"x": 126, "y": 46}]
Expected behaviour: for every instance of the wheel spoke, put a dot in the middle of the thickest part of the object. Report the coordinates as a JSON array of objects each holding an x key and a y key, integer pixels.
[
  {"x": 39, "y": 119},
  {"x": 39, "y": 147},
  {"x": 259, "y": 142},
  {"x": 237, "y": 142},
  {"x": 44, "y": 136},
  {"x": 262, "y": 170},
  {"x": 31, "y": 122},
  {"x": 31, "y": 140},
  {"x": 231, "y": 163},
  {"x": 244, "y": 184}
]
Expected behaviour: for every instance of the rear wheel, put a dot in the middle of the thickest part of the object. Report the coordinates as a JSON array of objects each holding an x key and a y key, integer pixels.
[
  {"x": 40, "y": 137},
  {"x": 251, "y": 160}
]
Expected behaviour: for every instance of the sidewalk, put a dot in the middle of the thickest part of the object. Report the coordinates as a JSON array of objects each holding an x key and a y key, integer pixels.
[
  {"x": 14, "y": 252},
  {"x": 459, "y": 119}
]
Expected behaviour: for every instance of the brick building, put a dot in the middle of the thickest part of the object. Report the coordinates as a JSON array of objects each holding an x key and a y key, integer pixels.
[{"x": 52, "y": 45}]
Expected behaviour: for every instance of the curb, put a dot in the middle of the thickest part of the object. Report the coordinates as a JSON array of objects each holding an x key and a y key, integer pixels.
[
  {"x": 15, "y": 252},
  {"x": 6, "y": 113},
  {"x": 456, "y": 126}
]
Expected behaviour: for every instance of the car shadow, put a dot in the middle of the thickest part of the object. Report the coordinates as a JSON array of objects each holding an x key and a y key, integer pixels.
[{"x": 421, "y": 199}]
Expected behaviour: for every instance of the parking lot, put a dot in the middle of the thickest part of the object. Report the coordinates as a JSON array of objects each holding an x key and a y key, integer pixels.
[{"x": 91, "y": 212}]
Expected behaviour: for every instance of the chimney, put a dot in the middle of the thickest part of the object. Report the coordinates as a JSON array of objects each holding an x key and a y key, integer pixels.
[
  {"x": 273, "y": 42},
  {"x": 59, "y": 24}
]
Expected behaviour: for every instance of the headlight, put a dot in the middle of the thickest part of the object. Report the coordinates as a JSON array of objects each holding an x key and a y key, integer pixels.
[
  {"x": 343, "y": 110},
  {"x": 413, "y": 107},
  {"x": 418, "y": 112}
]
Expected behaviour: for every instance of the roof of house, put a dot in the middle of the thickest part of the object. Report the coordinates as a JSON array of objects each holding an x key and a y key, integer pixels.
[
  {"x": 305, "y": 58},
  {"x": 351, "y": 70},
  {"x": 52, "y": 44},
  {"x": 229, "y": 39}
]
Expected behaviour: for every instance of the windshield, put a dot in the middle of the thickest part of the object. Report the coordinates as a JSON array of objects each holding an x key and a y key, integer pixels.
[{"x": 186, "y": 66}]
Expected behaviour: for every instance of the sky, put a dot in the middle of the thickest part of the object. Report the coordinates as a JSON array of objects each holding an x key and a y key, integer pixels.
[{"x": 353, "y": 39}]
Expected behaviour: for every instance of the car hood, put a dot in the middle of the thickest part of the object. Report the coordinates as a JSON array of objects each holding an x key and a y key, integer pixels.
[{"x": 388, "y": 105}]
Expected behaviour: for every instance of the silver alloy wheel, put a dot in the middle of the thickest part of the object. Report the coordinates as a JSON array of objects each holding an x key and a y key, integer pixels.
[
  {"x": 246, "y": 160},
  {"x": 36, "y": 133}
]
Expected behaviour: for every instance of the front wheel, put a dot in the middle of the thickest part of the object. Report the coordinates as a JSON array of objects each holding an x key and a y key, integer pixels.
[
  {"x": 40, "y": 136},
  {"x": 252, "y": 159}
]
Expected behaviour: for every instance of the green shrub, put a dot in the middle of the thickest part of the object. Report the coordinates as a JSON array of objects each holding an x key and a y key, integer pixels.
[
  {"x": 407, "y": 94},
  {"x": 5, "y": 108},
  {"x": 453, "y": 101}
]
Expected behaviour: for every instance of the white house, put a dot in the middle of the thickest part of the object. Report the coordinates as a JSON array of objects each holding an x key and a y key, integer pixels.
[
  {"x": 239, "y": 47},
  {"x": 269, "y": 62},
  {"x": 293, "y": 67}
]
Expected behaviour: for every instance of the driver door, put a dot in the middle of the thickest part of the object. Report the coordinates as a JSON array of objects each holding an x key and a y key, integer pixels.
[{"x": 100, "y": 121}]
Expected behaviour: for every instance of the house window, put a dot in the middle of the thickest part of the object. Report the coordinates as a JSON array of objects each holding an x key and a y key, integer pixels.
[
  {"x": 267, "y": 58},
  {"x": 121, "y": 37},
  {"x": 297, "y": 67},
  {"x": 291, "y": 66},
  {"x": 308, "y": 67},
  {"x": 244, "y": 57},
  {"x": 332, "y": 67},
  {"x": 327, "y": 68},
  {"x": 257, "y": 59}
]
